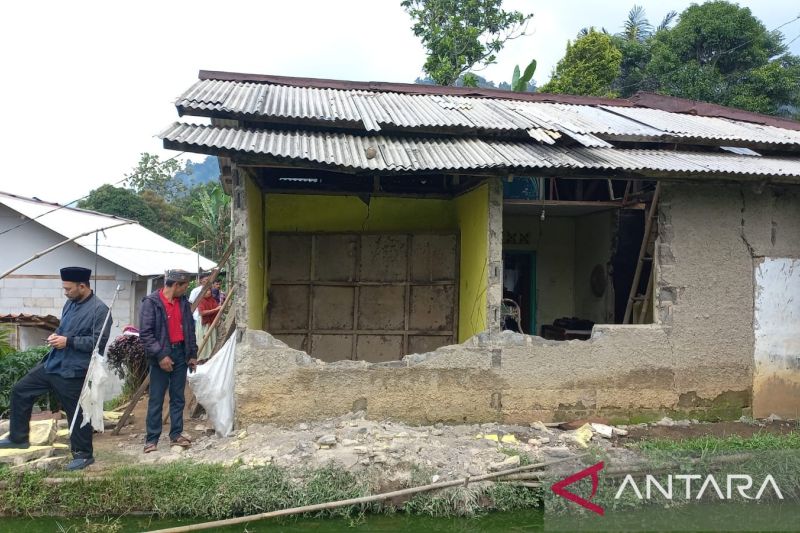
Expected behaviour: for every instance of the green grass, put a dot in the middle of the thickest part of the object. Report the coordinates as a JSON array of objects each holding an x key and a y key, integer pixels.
[
  {"x": 524, "y": 458},
  {"x": 762, "y": 440},
  {"x": 209, "y": 491}
]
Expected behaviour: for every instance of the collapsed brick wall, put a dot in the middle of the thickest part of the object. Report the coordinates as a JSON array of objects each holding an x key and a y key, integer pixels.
[{"x": 696, "y": 362}]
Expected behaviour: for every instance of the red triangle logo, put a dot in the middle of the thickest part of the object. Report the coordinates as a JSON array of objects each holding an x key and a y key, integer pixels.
[{"x": 559, "y": 488}]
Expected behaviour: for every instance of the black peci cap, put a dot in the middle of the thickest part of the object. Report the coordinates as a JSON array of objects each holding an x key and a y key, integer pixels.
[{"x": 76, "y": 274}]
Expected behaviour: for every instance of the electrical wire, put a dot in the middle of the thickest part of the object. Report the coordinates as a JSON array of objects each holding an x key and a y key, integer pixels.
[{"x": 62, "y": 206}]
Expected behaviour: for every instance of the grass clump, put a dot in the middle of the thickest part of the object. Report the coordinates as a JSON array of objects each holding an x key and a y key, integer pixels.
[{"x": 760, "y": 441}]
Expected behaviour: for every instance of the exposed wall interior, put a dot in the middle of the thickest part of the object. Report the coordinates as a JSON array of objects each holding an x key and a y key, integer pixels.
[
  {"x": 567, "y": 248},
  {"x": 465, "y": 215},
  {"x": 594, "y": 238},
  {"x": 697, "y": 361},
  {"x": 776, "y": 388}
]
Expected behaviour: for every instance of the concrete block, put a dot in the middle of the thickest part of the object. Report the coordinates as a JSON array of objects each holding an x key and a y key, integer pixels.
[{"x": 16, "y": 292}]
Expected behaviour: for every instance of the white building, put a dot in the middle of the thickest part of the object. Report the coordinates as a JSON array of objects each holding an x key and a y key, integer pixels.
[{"x": 129, "y": 255}]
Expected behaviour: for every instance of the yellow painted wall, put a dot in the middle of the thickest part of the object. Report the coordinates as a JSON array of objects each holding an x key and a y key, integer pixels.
[
  {"x": 473, "y": 218},
  {"x": 468, "y": 214},
  {"x": 256, "y": 246},
  {"x": 296, "y": 212}
]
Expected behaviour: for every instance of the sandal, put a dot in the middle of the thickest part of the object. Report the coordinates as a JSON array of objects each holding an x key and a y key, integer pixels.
[
  {"x": 181, "y": 441},
  {"x": 150, "y": 447}
]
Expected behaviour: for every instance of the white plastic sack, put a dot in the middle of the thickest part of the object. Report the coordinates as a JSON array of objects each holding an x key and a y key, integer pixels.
[
  {"x": 93, "y": 393},
  {"x": 212, "y": 385}
]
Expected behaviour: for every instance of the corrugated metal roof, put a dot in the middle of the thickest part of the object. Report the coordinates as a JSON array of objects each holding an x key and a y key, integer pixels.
[
  {"x": 460, "y": 153},
  {"x": 544, "y": 121},
  {"x": 374, "y": 111},
  {"x": 132, "y": 246},
  {"x": 26, "y": 319}
]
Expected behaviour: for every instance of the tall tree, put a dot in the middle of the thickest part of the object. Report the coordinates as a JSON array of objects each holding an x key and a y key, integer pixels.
[
  {"x": 158, "y": 176},
  {"x": 460, "y": 35},
  {"x": 589, "y": 67},
  {"x": 121, "y": 202},
  {"x": 719, "y": 52}
]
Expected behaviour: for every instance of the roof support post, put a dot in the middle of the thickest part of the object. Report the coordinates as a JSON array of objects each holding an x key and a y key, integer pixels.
[
  {"x": 239, "y": 231},
  {"x": 494, "y": 289}
]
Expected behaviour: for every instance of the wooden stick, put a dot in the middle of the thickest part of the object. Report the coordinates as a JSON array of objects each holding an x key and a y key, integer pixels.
[
  {"x": 134, "y": 400},
  {"x": 37, "y": 255},
  {"x": 213, "y": 325},
  {"x": 215, "y": 272},
  {"x": 357, "y": 501}
]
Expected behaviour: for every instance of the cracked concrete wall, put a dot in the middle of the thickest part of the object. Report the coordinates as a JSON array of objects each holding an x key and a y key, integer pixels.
[{"x": 696, "y": 362}]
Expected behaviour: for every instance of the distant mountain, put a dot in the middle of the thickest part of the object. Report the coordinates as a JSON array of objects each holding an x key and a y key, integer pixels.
[{"x": 201, "y": 173}]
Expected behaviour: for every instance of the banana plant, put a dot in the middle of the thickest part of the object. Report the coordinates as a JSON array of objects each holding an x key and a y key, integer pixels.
[{"x": 519, "y": 83}]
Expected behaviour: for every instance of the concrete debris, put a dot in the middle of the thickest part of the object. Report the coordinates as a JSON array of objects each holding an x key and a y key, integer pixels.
[
  {"x": 45, "y": 463},
  {"x": 327, "y": 440},
  {"x": 360, "y": 444},
  {"x": 619, "y": 431},
  {"x": 506, "y": 439},
  {"x": 17, "y": 456},
  {"x": 774, "y": 418},
  {"x": 512, "y": 461},
  {"x": 665, "y": 422},
  {"x": 539, "y": 426},
  {"x": 602, "y": 430},
  {"x": 557, "y": 451}
]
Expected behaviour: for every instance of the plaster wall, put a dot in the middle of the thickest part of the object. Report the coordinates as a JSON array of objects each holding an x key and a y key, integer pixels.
[
  {"x": 696, "y": 362},
  {"x": 594, "y": 235},
  {"x": 553, "y": 240}
]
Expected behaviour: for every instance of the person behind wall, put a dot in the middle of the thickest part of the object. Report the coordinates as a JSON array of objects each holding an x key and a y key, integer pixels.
[
  {"x": 193, "y": 297},
  {"x": 168, "y": 334},
  {"x": 216, "y": 291},
  {"x": 63, "y": 369},
  {"x": 208, "y": 308}
]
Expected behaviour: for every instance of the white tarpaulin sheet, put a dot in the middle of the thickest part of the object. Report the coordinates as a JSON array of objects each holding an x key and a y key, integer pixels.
[{"x": 212, "y": 385}]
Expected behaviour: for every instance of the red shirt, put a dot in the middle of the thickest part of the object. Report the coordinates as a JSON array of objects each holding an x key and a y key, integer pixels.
[
  {"x": 207, "y": 303},
  {"x": 174, "y": 318}
]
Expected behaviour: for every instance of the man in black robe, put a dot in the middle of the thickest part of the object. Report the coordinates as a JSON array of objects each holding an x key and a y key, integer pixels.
[{"x": 63, "y": 370}]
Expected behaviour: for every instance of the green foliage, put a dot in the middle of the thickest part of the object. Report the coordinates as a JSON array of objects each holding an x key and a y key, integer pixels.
[
  {"x": 719, "y": 52},
  {"x": 211, "y": 216},
  {"x": 519, "y": 83},
  {"x": 13, "y": 367},
  {"x": 588, "y": 68},
  {"x": 120, "y": 202},
  {"x": 5, "y": 340},
  {"x": 461, "y": 34},
  {"x": 158, "y": 176},
  {"x": 159, "y": 198}
]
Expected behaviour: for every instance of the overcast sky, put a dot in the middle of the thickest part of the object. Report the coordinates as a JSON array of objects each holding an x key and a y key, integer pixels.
[{"x": 87, "y": 84}]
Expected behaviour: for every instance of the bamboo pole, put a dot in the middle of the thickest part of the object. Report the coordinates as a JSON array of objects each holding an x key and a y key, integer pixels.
[
  {"x": 59, "y": 245},
  {"x": 131, "y": 405},
  {"x": 215, "y": 272},
  {"x": 214, "y": 323},
  {"x": 357, "y": 501}
]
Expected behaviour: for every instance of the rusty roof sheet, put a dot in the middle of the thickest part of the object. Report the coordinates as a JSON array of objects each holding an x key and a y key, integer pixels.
[
  {"x": 407, "y": 154},
  {"x": 545, "y": 122},
  {"x": 25, "y": 319}
]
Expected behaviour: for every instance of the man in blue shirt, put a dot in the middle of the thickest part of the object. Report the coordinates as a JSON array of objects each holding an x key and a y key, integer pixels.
[{"x": 64, "y": 368}]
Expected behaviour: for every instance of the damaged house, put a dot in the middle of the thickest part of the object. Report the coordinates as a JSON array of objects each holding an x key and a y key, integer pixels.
[{"x": 643, "y": 253}]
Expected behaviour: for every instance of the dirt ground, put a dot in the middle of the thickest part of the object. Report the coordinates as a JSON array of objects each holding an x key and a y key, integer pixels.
[{"x": 358, "y": 443}]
